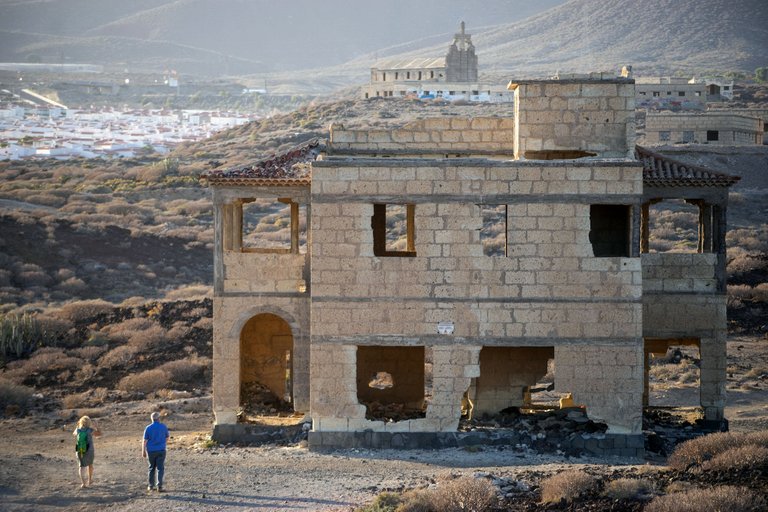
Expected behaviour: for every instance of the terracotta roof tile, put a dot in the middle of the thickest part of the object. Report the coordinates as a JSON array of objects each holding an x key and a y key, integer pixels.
[
  {"x": 289, "y": 168},
  {"x": 660, "y": 171}
]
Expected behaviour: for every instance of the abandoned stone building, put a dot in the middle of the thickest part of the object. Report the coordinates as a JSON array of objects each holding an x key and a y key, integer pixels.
[
  {"x": 387, "y": 291},
  {"x": 452, "y": 76},
  {"x": 721, "y": 128}
]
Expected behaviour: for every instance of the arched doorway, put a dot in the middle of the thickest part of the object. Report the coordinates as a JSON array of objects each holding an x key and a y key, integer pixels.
[{"x": 266, "y": 363}]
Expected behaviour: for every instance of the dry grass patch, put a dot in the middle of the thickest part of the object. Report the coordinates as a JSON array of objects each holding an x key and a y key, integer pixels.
[
  {"x": 716, "y": 499},
  {"x": 119, "y": 356},
  {"x": 697, "y": 452},
  {"x": 567, "y": 486},
  {"x": 464, "y": 494},
  {"x": 83, "y": 310},
  {"x": 629, "y": 489},
  {"x": 147, "y": 381}
]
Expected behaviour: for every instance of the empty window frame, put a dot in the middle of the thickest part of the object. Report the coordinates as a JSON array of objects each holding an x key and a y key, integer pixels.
[
  {"x": 688, "y": 136},
  {"x": 391, "y": 382},
  {"x": 610, "y": 230},
  {"x": 493, "y": 233},
  {"x": 272, "y": 226},
  {"x": 393, "y": 228},
  {"x": 664, "y": 136},
  {"x": 681, "y": 93},
  {"x": 713, "y": 135}
]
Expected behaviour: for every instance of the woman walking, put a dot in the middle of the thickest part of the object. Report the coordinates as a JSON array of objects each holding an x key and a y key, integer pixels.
[{"x": 84, "y": 434}]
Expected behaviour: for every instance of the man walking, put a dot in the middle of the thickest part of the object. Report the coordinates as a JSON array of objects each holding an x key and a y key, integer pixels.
[{"x": 153, "y": 449}]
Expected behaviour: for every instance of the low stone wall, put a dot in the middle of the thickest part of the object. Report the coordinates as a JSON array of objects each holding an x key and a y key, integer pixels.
[{"x": 600, "y": 444}]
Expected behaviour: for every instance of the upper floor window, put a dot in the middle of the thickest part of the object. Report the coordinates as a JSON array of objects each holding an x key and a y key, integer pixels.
[
  {"x": 393, "y": 228},
  {"x": 713, "y": 135},
  {"x": 610, "y": 228},
  {"x": 493, "y": 233},
  {"x": 265, "y": 226}
]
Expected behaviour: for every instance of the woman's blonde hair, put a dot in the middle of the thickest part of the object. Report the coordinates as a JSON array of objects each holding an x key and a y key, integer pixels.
[{"x": 84, "y": 422}]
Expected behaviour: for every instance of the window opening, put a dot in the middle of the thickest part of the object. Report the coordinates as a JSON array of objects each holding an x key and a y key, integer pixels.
[
  {"x": 393, "y": 229},
  {"x": 681, "y": 93},
  {"x": 673, "y": 226},
  {"x": 558, "y": 154},
  {"x": 273, "y": 226},
  {"x": 493, "y": 233},
  {"x": 610, "y": 228},
  {"x": 713, "y": 135},
  {"x": 665, "y": 136},
  {"x": 688, "y": 136},
  {"x": 391, "y": 382}
]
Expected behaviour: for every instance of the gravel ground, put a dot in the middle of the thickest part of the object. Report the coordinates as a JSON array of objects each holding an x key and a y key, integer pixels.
[{"x": 41, "y": 474}]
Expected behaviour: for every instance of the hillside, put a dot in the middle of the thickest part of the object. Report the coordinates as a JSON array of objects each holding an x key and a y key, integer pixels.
[{"x": 230, "y": 36}]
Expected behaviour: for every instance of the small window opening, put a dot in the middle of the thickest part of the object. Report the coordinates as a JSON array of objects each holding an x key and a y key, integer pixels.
[
  {"x": 273, "y": 226},
  {"x": 393, "y": 230},
  {"x": 681, "y": 93},
  {"x": 673, "y": 226},
  {"x": 713, "y": 135},
  {"x": 493, "y": 233},
  {"x": 391, "y": 382},
  {"x": 610, "y": 230},
  {"x": 688, "y": 136},
  {"x": 665, "y": 136}
]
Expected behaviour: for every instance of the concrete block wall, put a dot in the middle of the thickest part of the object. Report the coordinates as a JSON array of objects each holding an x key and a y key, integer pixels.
[
  {"x": 607, "y": 378},
  {"x": 595, "y": 116},
  {"x": 679, "y": 272},
  {"x": 732, "y": 129},
  {"x": 437, "y": 134},
  {"x": 549, "y": 290},
  {"x": 247, "y": 272}
]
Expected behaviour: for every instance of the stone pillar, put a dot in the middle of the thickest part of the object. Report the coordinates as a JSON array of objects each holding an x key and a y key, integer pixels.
[
  {"x": 645, "y": 227},
  {"x": 713, "y": 376}
]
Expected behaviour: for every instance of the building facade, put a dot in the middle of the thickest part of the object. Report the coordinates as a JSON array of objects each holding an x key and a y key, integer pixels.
[{"x": 397, "y": 300}]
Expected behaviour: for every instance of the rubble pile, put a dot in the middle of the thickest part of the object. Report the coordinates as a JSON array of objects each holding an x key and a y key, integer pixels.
[
  {"x": 291, "y": 164},
  {"x": 377, "y": 411},
  {"x": 259, "y": 400}
]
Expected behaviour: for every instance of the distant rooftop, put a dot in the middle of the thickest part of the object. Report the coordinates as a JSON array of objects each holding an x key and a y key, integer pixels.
[{"x": 660, "y": 171}]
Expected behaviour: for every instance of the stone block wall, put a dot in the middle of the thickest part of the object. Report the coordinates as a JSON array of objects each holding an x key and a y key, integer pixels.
[
  {"x": 594, "y": 116},
  {"x": 247, "y": 272},
  {"x": 732, "y": 129},
  {"x": 679, "y": 272},
  {"x": 549, "y": 290},
  {"x": 505, "y": 372},
  {"x": 230, "y": 315},
  {"x": 436, "y": 135}
]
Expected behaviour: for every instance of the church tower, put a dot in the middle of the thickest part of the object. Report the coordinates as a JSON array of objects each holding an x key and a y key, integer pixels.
[{"x": 461, "y": 61}]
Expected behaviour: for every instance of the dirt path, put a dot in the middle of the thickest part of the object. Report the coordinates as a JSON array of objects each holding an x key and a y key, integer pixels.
[{"x": 40, "y": 472}]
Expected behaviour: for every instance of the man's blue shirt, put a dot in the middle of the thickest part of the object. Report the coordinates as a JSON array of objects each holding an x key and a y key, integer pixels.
[{"x": 156, "y": 433}]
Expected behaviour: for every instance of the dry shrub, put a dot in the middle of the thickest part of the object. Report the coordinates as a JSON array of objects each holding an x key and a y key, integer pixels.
[
  {"x": 127, "y": 328},
  {"x": 464, "y": 494},
  {"x": 714, "y": 499},
  {"x": 416, "y": 501},
  {"x": 89, "y": 353},
  {"x": 14, "y": 398},
  {"x": 695, "y": 452},
  {"x": 748, "y": 456},
  {"x": 48, "y": 359},
  {"x": 204, "y": 323},
  {"x": 186, "y": 370},
  {"x": 154, "y": 335},
  {"x": 119, "y": 356},
  {"x": 567, "y": 486},
  {"x": 30, "y": 278},
  {"x": 629, "y": 489},
  {"x": 72, "y": 286},
  {"x": 75, "y": 400},
  {"x": 191, "y": 292},
  {"x": 83, "y": 310},
  {"x": 145, "y": 382}
]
